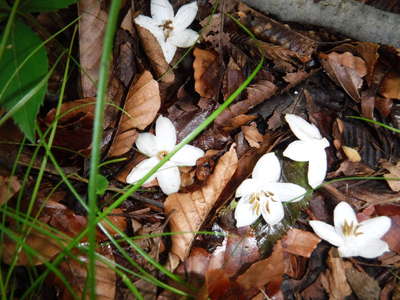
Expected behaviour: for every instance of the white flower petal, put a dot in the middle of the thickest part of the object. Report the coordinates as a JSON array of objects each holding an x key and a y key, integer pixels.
[
  {"x": 187, "y": 156},
  {"x": 168, "y": 51},
  {"x": 161, "y": 10},
  {"x": 300, "y": 150},
  {"x": 165, "y": 134},
  {"x": 185, "y": 16},
  {"x": 375, "y": 227},
  {"x": 317, "y": 166},
  {"x": 142, "y": 169},
  {"x": 245, "y": 214},
  {"x": 169, "y": 178},
  {"x": 152, "y": 26},
  {"x": 301, "y": 128},
  {"x": 183, "y": 39},
  {"x": 327, "y": 232},
  {"x": 272, "y": 211},
  {"x": 267, "y": 168},
  {"x": 247, "y": 187},
  {"x": 372, "y": 248},
  {"x": 344, "y": 212},
  {"x": 349, "y": 250},
  {"x": 147, "y": 144},
  {"x": 285, "y": 192}
]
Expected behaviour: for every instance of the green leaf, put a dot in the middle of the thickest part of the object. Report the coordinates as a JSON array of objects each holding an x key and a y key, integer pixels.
[
  {"x": 29, "y": 6},
  {"x": 21, "y": 43},
  {"x": 102, "y": 185}
]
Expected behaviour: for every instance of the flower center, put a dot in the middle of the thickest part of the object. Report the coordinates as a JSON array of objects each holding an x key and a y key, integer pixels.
[
  {"x": 162, "y": 154},
  {"x": 255, "y": 201},
  {"x": 350, "y": 229},
  {"x": 167, "y": 28}
]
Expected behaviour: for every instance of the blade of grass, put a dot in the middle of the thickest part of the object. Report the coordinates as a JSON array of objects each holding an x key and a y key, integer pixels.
[
  {"x": 7, "y": 29},
  {"x": 376, "y": 123},
  {"x": 96, "y": 139}
]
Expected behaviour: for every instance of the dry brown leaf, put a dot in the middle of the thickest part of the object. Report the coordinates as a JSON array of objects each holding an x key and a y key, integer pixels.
[
  {"x": 9, "y": 186},
  {"x": 256, "y": 94},
  {"x": 264, "y": 271},
  {"x": 252, "y": 136},
  {"x": 92, "y": 24},
  {"x": 141, "y": 106},
  {"x": 300, "y": 242},
  {"x": 334, "y": 279},
  {"x": 364, "y": 286},
  {"x": 188, "y": 210},
  {"x": 46, "y": 248},
  {"x": 76, "y": 273},
  {"x": 352, "y": 154},
  {"x": 156, "y": 57},
  {"x": 394, "y": 172},
  {"x": 347, "y": 70},
  {"x": 117, "y": 220},
  {"x": 390, "y": 87},
  {"x": 206, "y": 72}
]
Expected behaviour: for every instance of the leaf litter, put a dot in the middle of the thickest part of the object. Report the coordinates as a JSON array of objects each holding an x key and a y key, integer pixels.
[{"x": 314, "y": 74}]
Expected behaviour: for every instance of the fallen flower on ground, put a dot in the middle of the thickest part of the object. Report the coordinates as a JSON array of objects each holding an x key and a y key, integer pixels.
[
  {"x": 263, "y": 194},
  {"x": 310, "y": 147},
  {"x": 169, "y": 30},
  {"x": 157, "y": 147},
  {"x": 351, "y": 237}
]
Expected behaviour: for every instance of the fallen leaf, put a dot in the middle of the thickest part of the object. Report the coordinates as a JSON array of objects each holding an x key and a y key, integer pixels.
[
  {"x": 118, "y": 221},
  {"x": 233, "y": 78},
  {"x": 264, "y": 271},
  {"x": 347, "y": 70},
  {"x": 334, "y": 279},
  {"x": 394, "y": 172},
  {"x": 9, "y": 186},
  {"x": 75, "y": 271},
  {"x": 364, "y": 286},
  {"x": 188, "y": 211},
  {"x": 390, "y": 87},
  {"x": 352, "y": 154},
  {"x": 206, "y": 67},
  {"x": 141, "y": 106},
  {"x": 92, "y": 24},
  {"x": 252, "y": 136},
  {"x": 45, "y": 249},
  {"x": 156, "y": 56},
  {"x": 300, "y": 242},
  {"x": 256, "y": 94}
]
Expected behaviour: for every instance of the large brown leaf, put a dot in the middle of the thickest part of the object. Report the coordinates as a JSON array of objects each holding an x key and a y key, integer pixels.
[
  {"x": 141, "y": 106},
  {"x": 156, "y": 57},
  {"x": 91, "y": 33},
  {"x": 206, "y": 67},
  {"x": 188, "y": 210},
  {"x": 75, "y": 272},
  {"x": 9, "y": 186},
  {"x": 347, "y": 70}
]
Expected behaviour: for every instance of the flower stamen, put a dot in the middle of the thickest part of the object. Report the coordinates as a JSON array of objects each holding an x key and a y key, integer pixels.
[
  {"x": 162, "y": 154},
  {"x": 167, "y": 28},
  {"x": 350, "y": 229}
]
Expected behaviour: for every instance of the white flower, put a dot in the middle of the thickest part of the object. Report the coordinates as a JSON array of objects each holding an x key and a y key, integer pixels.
[
  {"x": 169, "y": 30},
  {"x": 157, "y": 147},
  {"x": 263, "y": 194},
  {"x": 353, "y": 238},
  {"x": 310, "y": 147}
]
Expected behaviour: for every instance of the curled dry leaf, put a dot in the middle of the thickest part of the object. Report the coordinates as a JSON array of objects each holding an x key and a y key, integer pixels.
[
  {"x": 264, "y": 271},
  {"x": 75, "y": 271},
  {"x": 188, "y": 210},
  {"x": 252, "y": 136},
  {"x": 394, "y": 172},
  {"x": 141, "y": 106},
  {"x": 347, "y": 70},
  {"x": 300, "y": 242},
  {"x": 9, "y": 186},
  {"x": 76, "y": 120},
  {"x": 156, "y": 57},
  {"x": 390, "y": 87},
  {"x": 256, "y": 94},
  {"x": 352, "y": 154},
  {"x": 92, "y": 24},
  {"x": 334, "y": 279},
  {"x": 206, "y": 67}
]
